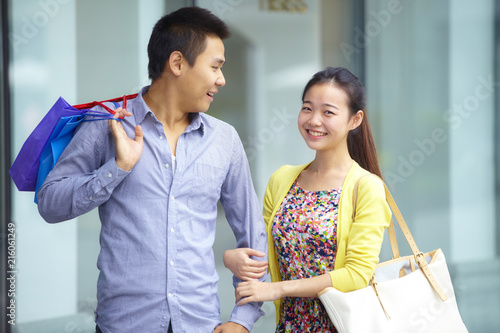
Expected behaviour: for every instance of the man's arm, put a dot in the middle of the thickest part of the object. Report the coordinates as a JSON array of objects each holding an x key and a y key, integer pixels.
[
  {"x": 244, "y": 215},
  {"x": 81, "y": 180}
]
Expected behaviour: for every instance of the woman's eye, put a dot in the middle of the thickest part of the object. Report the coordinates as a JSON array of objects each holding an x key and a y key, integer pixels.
[
  {"x": 329, "y": 113},
  {"x": 305, "y": 108}
]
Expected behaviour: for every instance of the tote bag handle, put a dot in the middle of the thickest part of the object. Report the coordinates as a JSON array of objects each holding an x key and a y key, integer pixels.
[
  {"x": 392, "y": 233},
  {"x": 419, "y": 256}
]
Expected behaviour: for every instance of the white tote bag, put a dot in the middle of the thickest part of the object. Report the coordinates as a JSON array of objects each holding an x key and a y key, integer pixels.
[{"x": 406, "y": 294}]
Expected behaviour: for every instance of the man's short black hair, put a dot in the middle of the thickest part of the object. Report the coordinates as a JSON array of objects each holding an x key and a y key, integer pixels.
[{"x": 184, "y": 30}]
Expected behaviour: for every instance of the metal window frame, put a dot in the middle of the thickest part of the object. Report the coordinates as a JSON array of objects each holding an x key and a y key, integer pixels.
[
  {"x": 359, "y": 19},
  {"x": 5, "y": 161},
  {"x": 497, "y": 123}
]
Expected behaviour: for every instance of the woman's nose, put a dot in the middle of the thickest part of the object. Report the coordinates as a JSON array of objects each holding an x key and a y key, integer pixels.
[{"x": 315, "y": 119}]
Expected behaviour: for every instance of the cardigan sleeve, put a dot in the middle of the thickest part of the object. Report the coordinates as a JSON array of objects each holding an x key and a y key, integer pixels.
[
  {"x": 274, "y": 186},
  {"x": 268, "y": 201},
  {"x": 365, "y": 237},
  {"x": 269, "y": 207}
]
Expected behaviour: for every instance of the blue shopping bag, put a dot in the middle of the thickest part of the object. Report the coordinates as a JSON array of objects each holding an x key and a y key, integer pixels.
[
  {"x": 59, "y": 139},
  {"x": 58, "y": 126}
]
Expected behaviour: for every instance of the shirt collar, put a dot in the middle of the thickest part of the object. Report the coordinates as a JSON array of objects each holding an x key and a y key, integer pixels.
[
  {"x": 141, "y": 109},
  {"x": 197, "y": 123}
]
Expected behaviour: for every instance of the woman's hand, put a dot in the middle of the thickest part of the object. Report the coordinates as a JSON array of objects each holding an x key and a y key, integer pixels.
[
  {"x": 256, "y": 291},
  {"x": 238, "y": 261}
]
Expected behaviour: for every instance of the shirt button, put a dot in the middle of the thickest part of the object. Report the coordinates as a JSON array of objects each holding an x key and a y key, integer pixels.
[
  {"x": 110, "y": 175},
  {"x": 171, "y": 263},
  {"x": 167, "y": 165},
  {"x": 173, "y": 198},
  {"x": 160, "y": 137},
  {"x": 170, "y": 295},
  {"x": 172, "y": 230},
  {"x": 90, "y": 198}
]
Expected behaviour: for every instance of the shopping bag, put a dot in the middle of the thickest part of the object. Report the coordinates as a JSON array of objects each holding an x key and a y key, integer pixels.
[
  {"x": 24, "y": 170},
  {"x": 60, "y": 137},
  {"x": 406, "y": 294}
]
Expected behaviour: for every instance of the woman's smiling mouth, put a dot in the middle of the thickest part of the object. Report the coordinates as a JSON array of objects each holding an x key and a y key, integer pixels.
[{"x": 315, "y": 133}]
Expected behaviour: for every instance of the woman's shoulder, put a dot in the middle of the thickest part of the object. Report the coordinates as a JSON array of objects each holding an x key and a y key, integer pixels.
[
  {"x": 366, "y": 178},
  {"x": 283, "y": 175},
  {"x": 287, "y": 171}
]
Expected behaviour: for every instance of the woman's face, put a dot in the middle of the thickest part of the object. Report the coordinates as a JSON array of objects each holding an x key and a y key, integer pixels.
[{"x": 325, "y": 119}]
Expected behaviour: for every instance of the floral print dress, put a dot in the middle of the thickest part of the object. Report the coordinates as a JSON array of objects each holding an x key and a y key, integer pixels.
[{"x": 305, "y": 238}]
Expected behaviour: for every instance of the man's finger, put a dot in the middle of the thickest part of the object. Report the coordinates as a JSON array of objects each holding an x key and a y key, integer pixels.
[{"x": 258, "y": 264}]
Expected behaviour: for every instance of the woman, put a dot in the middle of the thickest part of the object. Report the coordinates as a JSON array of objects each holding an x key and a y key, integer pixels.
[{"x": 314, "y": 241}]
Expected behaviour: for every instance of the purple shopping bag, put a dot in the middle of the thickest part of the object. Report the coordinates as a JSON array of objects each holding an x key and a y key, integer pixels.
[
  {"x": 24, "y": 170},
  {"x": 59, "y": 139}
]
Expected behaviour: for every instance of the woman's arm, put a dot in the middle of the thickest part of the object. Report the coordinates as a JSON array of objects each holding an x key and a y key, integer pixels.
[
  {"x": 238, "y": 261},
  {"x": 256, "y": 291},
  {"x": 365, "y": 239}
]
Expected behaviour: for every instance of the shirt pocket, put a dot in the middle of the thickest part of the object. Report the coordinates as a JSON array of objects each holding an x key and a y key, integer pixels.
[{"x": 207, "y": 187}]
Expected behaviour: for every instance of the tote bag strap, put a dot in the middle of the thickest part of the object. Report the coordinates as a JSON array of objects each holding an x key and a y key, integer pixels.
[
  {"x": 392, "y": 233},
  {"x": 419, "y": 256}
]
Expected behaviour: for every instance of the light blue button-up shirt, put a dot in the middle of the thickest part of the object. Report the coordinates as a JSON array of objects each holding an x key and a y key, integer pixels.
[{"x": 156, "y": 261}]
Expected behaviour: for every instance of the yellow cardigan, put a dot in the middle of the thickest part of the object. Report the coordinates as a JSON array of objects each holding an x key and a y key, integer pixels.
[{"x": 358, "y": 244}]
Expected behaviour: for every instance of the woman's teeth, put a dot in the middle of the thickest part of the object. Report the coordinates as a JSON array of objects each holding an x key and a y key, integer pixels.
[{"x": 314, "y": 133}]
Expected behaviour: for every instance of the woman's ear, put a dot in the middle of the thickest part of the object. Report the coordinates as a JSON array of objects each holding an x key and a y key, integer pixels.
[
  {"x": 357, "y": 119},
  {"x": 175, "y": 62}
]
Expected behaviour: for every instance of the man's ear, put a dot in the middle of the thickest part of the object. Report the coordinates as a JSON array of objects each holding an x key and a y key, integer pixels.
[
  {"x": 176, "y": 62},
  {"x": 357, "y": 119}
]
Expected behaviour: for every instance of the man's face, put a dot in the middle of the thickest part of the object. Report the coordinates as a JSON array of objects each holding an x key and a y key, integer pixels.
[{"x": 202, "y": 81}]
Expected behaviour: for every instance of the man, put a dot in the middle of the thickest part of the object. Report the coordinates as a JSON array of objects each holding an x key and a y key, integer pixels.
[{"x": 157, "y": 193}]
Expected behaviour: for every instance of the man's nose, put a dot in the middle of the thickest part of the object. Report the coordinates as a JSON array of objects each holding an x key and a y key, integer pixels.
[{"x": 221, "y": 81}]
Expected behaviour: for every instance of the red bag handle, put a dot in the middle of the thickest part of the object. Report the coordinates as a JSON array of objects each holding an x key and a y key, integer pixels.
[{"x": 101, "y": 103}]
